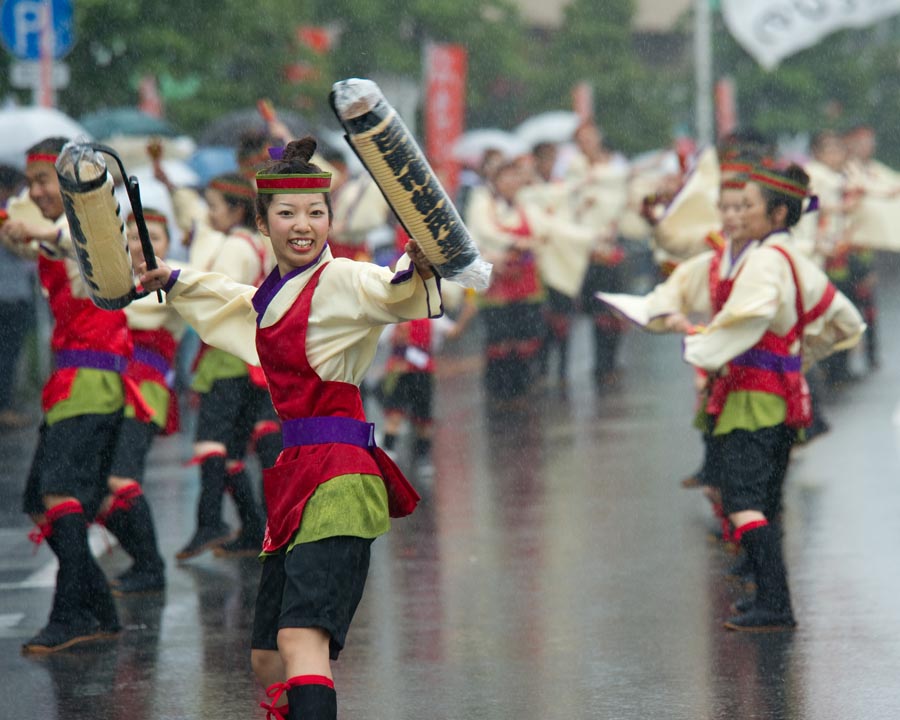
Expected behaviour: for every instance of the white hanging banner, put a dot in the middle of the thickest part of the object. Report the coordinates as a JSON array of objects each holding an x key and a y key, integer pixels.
[{"x": 771, "y": 30}]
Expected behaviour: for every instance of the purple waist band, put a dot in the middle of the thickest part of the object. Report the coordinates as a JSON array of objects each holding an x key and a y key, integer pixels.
[
  {"x": 766, "y": 360},
  {"x": 320, "y": 430},
  {"x": 154, "y": 360},
  {"x": 93, "y": 359}
]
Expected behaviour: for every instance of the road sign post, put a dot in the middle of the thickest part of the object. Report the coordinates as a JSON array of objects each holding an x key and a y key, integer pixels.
[{"x": 38, "y": 31}]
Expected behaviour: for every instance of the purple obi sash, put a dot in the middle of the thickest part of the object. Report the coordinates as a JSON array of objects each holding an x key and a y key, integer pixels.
[
  {"x": 767, "y": 360},
  {"x": 320, "y": 430},
  {"x": 93, "y": 359},
  {"x": 147, "y": 357}
]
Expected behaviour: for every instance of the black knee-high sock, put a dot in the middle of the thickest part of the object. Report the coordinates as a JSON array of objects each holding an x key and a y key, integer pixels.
[
  {"x": 132, "y": 524},
  {"x": 312, "y": 697},
  {"x": 763, "y": 545},
  {"x": 422, "y": 447},
  {"x": 212, "y": 487},
  {"x": 81, "y": 589},
  {"x": 248, "y": 510}
]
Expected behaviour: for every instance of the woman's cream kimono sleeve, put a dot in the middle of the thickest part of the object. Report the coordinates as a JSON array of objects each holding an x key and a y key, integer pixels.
[
  {"x": 686, "y": 291},
  {"x": 219, "y": 309}
]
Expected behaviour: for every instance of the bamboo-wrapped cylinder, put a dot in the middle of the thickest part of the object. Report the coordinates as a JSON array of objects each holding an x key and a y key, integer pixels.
[
  {"x": 391, "y": 155},
  {"x": 96, "y": 225}
]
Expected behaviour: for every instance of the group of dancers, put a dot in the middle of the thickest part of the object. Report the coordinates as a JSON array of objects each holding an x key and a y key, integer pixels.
[{"x": 290, "y": 317}]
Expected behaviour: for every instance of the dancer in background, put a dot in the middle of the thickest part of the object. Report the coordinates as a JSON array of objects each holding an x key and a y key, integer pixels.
[
  {"x": 155, "y": 330},
  {"x": 232, "y": 394},
  {"x": 83, "y": 402}
]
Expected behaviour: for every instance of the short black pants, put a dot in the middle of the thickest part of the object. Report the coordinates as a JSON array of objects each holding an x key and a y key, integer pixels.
[
  {"x": 72, "y": 459},
  {"x": 317, "y": 584},
  {"x": 749, "y": 468},
  {"x": 412, "y": 395},
  {"x": 132, "y": 447},
  {"x": 228, "y": 413}
]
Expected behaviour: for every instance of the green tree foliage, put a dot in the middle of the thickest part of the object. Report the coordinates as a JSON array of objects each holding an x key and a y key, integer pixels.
[
  {"x": 851, "y": 77},
  {"x": 595, "y": 44},
  {"x": 386, "y": 38},
  {"x": 210, "y": 57}
]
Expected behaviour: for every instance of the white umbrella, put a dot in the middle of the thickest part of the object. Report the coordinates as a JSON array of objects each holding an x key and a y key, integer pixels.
[
  {"x": 22, "y": 127},
  {"x": 472, "y": 145},
  {"x": 556, "y": 126}
]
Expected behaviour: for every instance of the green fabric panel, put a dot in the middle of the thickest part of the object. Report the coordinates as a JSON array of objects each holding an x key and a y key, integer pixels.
[
  {"x": 751, "y": 410},
  {"x": 93, "y": 392},
  {"x": 217, "y": 365},
  {"x": 354, "y": 505},
  {"x": 157, "y": 397}
]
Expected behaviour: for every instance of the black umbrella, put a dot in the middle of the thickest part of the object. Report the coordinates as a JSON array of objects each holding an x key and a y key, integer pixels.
[{"x": 228, "y": 129}]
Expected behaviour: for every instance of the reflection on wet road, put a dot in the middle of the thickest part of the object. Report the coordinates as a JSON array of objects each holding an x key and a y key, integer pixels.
[{"x": 555, "y": 569}]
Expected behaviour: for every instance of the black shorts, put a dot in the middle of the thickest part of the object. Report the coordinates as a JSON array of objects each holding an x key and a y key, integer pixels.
[
  {"x": 412, "y": 394},
  {"x": 228, "y": 413},
  {"x": 73, "y": 459},
  {"x": 317, "y": 584},
  {"x": 130, "y": 457},
  {"x": 749, "y": 468}
]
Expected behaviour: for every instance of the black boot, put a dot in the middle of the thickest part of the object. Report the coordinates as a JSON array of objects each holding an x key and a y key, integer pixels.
[
  {"x": 771, "y": 610},
  {"x": 211, "y": 530},
  {"x": 70, "y": 620},
  {"x": 99, "y": 600},
  {"x": 312, "y": 702},
  {"x": 249, "y": 542},
  {"x": 135, "y": 531}
]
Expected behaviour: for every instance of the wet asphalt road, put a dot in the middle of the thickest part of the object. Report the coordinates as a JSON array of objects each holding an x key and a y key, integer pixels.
[{"x": 555, "y": 569}]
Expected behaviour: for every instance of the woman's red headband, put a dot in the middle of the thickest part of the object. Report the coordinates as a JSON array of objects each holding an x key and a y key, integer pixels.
[{"x": 268, "y": 184}]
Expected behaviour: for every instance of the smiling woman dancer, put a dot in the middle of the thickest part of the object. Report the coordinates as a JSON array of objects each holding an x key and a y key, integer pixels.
[
  {"x": 314, "y": 323},
  {"x": 777, "y": 315}
]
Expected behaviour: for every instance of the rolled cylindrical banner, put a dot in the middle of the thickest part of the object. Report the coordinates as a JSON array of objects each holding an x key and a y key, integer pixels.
[
  {"x": 97, "y": 227},
  {"x": 397, "y": 164}
]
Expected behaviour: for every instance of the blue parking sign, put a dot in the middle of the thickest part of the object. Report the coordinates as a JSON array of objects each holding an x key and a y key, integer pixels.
[{"x": 21, "y": 22}]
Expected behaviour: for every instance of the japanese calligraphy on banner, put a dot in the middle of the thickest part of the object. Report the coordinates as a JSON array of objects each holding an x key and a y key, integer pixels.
[
  {"x": 445, "y": 109},
  {"x": 771, "y": 30}
]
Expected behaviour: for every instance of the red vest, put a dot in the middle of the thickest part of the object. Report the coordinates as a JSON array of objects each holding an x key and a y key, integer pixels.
[
  {"x": 769, "y": 366},
  {"x": 324, "y": 424},
  {"x": 83, "y": 336},
  {"x": 517, "y": 279},
  {"x": 153, "y": 360}
]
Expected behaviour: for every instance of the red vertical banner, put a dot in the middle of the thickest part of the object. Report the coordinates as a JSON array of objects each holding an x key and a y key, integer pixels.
[
  {"x": 726, "y": 107},
  {"x": 445, "y": 109},
  {"x": 149, "y": 99}
]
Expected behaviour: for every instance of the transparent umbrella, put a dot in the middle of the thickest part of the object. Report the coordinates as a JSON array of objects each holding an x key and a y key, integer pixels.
[
  {"x": 22, "y": 127},
  {"x": 472, "y": 145},
  {"x": 556, "y": 126}
]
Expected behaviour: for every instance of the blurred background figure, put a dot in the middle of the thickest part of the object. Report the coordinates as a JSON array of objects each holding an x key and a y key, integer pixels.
[{"x": 16, "y": 307}]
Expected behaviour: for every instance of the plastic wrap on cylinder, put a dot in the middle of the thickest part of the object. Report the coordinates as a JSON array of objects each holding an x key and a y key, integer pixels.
[
  {"x": 393, "y": 158},
  {"x": 96, "y": 225}
]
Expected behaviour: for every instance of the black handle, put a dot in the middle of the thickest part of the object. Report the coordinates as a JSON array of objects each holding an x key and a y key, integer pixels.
[{"x": 133, "y": 189}]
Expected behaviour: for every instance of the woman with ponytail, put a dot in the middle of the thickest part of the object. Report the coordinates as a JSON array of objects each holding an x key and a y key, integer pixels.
[
  {"x": 313, "y": 326},
  {"x": 778, "y": 315}
]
